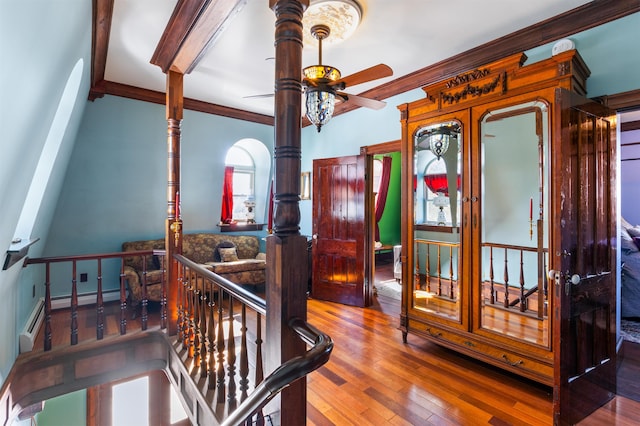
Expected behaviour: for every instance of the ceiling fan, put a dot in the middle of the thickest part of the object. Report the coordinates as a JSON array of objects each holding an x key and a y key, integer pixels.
[{"x": 323, "y": 84}]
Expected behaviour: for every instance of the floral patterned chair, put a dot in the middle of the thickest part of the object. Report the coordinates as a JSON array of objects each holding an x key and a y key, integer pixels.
[{"x": 234, "y": 257}]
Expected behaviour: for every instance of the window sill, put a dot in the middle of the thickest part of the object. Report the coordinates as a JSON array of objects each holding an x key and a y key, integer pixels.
[
  {"x": 436, "y": 228},
  {"x": 240, "y": 226}
]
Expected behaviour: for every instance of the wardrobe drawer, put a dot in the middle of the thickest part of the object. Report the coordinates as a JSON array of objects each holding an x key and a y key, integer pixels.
[{"x": 497, "y": 355}]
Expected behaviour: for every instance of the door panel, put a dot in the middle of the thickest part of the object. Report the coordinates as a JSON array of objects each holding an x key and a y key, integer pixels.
[
  {"x": 584, "y": 258},
  {"x": 339, "y": 230}
]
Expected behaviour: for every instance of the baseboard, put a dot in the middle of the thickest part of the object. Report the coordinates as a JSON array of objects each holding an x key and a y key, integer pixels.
[{"x": 85, "y": 299}]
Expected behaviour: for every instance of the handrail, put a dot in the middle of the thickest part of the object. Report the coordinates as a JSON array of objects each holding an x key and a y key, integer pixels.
[
  {"x": 287, "y": 373},
  {"x": 246, "y": 297},
  {"x": 81, "y": 257}
]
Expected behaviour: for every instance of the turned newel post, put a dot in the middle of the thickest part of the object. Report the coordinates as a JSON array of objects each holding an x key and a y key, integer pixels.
[
  {"x": 287, "y": 259},
  {"x": 173, "y": 231}
]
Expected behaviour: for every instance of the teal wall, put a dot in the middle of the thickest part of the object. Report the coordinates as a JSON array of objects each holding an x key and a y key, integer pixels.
[
  {"x": 41, "y": 42},
  {"x": 65, "y": 410},
  {"x": 115, "y": 188}
]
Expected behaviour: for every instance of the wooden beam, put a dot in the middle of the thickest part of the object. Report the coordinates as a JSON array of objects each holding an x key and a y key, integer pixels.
[
  {"x": 153, "y": 96},
  {"x": 102, "y": 14},
  {"x": 191, "y": 30}
]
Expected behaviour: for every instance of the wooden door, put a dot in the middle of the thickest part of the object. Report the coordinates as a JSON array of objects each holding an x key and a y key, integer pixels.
[
  {"x": 584, "y": 257},
  {"x": 338, "y": 247}
]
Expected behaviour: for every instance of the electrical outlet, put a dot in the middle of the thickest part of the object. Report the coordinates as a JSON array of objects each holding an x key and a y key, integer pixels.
[{"x": 83, "y": 277}]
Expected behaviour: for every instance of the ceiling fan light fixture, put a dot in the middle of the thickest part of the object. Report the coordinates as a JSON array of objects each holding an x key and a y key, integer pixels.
[
  {"x": 324, "y": 72},
  {"x": 320, "y": 106},
  {"x": 342, "y": 16}
]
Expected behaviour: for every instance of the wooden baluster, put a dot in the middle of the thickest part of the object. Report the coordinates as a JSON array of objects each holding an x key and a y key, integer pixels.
[
  {"x": 179, "y": 290},
  {"x": 203, "y": 330},
  {"x": 259, "y": 365},
  {"x": 47, "y": 308},
  {"x": 427, "y": 268},
  {"x": 74, "y": 305},
  {"x": 439, "y": 271},
  {"x": 144, "y": 316},
  {"x": 196, "y": 321},
  {"x": 163, "y": 296},
  {"x": 190, "y": 317},
  {"x": 523, "y": 301},
  {"x": 211, "y": 337},
  {"x": 123, "y": 299},
  {"x": 185, "y": 307},
  {"x": 451, "y": 295},
  {"x": 185, "y": 322},
  {"x": 220, "y": 347},
  {"x": 244, "y": 359},
  {"x": 231, "y": 359},
  {"x": 491, "y": 276},
  {"x": 99, "y": 305},
  {"x": 506, "y": 279},
  {"x": 416, "y": 277}
]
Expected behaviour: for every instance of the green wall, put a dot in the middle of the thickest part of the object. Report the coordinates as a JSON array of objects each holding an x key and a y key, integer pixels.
[{"x": 390, "y": 221}]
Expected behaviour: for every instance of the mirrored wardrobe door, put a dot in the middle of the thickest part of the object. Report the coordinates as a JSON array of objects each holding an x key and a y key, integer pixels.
[
  {"x": 437, "y": 188},
  {"x": 514, "y": 199}
]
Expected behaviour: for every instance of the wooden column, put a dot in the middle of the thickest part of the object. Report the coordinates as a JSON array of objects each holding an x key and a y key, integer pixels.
[
  {"x": 173, "y": 231},
  {"x": 287, "y": 266}
]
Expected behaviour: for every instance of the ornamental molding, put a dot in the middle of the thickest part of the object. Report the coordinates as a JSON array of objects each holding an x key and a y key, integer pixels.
[
  {"x": 467, "y": 78},
  {"x": 473, "y": 90}
]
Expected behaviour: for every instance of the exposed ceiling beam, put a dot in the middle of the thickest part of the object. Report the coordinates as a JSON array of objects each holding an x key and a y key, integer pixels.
[
  {"x": 132, "y": 92},
  {"x": 192, "y": 29},
  {"x": 102, "y": 15}
]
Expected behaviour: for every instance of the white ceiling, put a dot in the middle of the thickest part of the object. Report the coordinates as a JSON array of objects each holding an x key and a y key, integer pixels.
[{"x": 407, "y": 35}]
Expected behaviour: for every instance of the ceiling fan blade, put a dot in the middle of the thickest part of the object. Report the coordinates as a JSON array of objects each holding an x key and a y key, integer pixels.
[
  {"x": 265, "y": 95},
  {"x": 373, "y": 73},
  {"x": 362, "y": 101}
]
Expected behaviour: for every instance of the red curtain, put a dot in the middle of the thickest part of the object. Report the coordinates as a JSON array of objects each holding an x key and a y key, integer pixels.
[
  {"x": 383, "y": 190},
  {"x": 226, "y": 215},
  {"x": 439, "y": 183}
]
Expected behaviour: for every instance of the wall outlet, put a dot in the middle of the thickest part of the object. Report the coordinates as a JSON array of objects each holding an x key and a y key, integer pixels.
[{"x": 83, "y": 277}]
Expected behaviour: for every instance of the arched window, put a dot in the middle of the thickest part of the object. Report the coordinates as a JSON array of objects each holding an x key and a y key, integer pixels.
[
  {"x": 247, "y": 177},
  {"x": 244, "y": 171}
]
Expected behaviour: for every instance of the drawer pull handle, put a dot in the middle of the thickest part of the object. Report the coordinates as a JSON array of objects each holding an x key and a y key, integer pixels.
[
  {"x": 436, "y": 335},
  {"x": 468, "y": 343},
  {"x": 513, "y": 364}
]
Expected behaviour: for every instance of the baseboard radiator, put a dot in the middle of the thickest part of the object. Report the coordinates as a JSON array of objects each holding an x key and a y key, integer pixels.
[{"x": 28, "y": 335}]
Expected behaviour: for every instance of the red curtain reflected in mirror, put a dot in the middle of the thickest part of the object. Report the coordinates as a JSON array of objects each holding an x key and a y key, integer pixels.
[{"x": 439, "y": 183}]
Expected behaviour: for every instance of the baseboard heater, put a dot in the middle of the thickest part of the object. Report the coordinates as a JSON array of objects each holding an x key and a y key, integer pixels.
[{"x": 28, "y": 335}]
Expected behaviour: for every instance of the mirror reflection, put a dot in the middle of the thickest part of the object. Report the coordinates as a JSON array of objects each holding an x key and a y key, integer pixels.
[
  {"x": 437, "y": 186},
  {"x": 514, "y": 200}
]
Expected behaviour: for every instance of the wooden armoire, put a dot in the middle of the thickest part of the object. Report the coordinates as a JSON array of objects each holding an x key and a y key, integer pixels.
[{"x": 508, "y": 242}]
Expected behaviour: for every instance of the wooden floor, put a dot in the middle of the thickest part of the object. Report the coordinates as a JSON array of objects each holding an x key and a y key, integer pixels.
[{"x": 373, "y": 378}]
